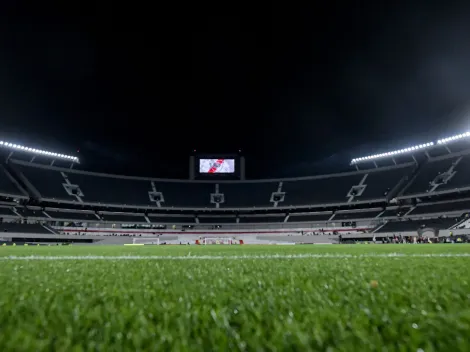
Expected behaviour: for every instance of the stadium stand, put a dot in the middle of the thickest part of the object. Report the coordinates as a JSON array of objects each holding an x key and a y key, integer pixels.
[
  {"x": 309, "y": 217},
  {"x": 186, "y": 194},
  {"x": 388, "y": 198},
  {"x": 51, "y": 183},
  {"x": 29, "y": 213},
  {"x": 7, "y": 186},
  {"x": 122, "y": 217},
  {"x": 329, "y": 194},
  {"x": 380, "y": 184},
  {"x": 461, "y": 178},
  {"x": 158, "y": 219},
  {"x": 428, "y": 174},
  {"x": 409, "y": 225},
  {"x": 395, "y": 211},
  {"x": 460, "y": 205},
  {"x": 217, "y": 220},
  {"x": 262, "y": 218},
  {"x": 48, "y": 183},
  {"x": 351, "y": 215},
  {"x": 16, "y": 227},
  {"x": 319, "y": 190},
  {"x": 71, "y": 214},
  {"x": 111, "y": 190},
  {"x": 248, "y": 194},
  {"x": 7, "y": 211}
]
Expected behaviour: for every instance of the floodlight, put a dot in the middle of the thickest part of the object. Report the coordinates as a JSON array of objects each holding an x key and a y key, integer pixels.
[
  {"x": 37, "y": 151},
  {"x": 453, "y": 138},
  {"x": 394, "y": 152}
]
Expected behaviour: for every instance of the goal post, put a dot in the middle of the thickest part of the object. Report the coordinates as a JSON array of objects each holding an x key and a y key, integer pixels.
[
  {"x": 146, "y": 240},
  {"x": 220, "y": 240}
]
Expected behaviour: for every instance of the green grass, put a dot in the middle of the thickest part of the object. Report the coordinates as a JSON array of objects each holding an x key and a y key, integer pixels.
[{"x": 295, "y": 304}]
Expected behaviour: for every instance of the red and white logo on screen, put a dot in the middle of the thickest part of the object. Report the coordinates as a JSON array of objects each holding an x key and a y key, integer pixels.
[{"x": 216, "y": 166}]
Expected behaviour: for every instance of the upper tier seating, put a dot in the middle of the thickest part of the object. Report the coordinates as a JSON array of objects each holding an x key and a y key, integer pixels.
[
  {"x": 56, "y": 184},
  {"x": 7, "y": 187},
  {"x": 319, "y": 190},
  {"x": 110, "y": 190},
  {"x": 245, "y": 194},
  {"x": 433, "y": 168},
  {"x": 381, "y": 182},
  {"x": 335, "y": 189},
  {"x": 186, "y": 194},
  {"x": 46, "y": 181},
  {"x": 461, "y": 177}
]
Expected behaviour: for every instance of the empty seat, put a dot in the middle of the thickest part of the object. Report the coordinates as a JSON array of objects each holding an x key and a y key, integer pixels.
[
  {"x": 357, "y": 215},
  {"x": 7, "y": 187},
  {"x": 309, "y": 217},
  {"x": 427, "y": 173},
  {"x": 71, "y": 215},
  {"x": 6, "y": 211},
  {"x": 442, "y": 207},
  {"x": 48, "y": 182},
  {"x": 123, "y": 217},
  {"x": 408, "y": 225},
  {"x": 319, "y": 190},
  {"x": 217, "y": 220},
  {"x": 262, "y": 219},
  {"x": 112, "y": 190},
  {"x": 461, "y": 177},
  {"x": 244, "y": 194},
  {"x": 394, "y": 212},
  {"x": 186, "y": 194},
  {"x": 30, "y": 213},
  {"x": 379, "y": 183},
  {"x": 22, "y": 228},
  {"x": 158, "y": 219}
]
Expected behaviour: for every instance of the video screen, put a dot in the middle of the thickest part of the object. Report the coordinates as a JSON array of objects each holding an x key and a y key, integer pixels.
[{"x": 217, "y": 166}]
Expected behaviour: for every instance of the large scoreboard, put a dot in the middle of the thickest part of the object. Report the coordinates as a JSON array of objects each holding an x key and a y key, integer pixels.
[
  {"x": 217, "y": 166},
  {"x": 210, "y": 166}
]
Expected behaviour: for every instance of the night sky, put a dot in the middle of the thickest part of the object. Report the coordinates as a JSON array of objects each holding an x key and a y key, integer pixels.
[{"x": 136, "y": 89}]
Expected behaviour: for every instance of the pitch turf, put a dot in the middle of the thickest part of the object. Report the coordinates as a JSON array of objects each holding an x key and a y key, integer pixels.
[{"x": 296, "y": 298}]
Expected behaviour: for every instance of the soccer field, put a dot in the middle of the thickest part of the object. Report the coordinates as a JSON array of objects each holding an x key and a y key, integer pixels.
[{"x": 204, "y": 298}]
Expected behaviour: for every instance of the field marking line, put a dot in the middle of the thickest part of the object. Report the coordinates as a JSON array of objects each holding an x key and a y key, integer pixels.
[{"x": 237, "y": 257}]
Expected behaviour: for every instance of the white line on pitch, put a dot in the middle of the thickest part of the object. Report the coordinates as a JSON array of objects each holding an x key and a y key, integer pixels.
[{"x": 238, "y": 257}]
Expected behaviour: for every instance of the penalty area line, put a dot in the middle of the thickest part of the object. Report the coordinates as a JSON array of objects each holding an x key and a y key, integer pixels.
[{"x": 237, "y": 257}]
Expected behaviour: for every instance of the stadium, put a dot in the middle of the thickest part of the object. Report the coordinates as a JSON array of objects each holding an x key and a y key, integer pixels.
[
  {"x": 421, "y": 191},
  {"x": 113, "y": 252},
  {"x": 231, "y": 178}
]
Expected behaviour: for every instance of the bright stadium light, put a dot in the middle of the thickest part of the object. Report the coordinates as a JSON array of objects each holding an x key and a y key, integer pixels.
[
  {"x": 453, "y": 138},
  {"x": 37, "y": 151},
  {"x": 395, "y": 152}
]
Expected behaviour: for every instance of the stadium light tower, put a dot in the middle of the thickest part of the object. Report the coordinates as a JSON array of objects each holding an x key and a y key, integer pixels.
[{"x": 21, "y": 148}]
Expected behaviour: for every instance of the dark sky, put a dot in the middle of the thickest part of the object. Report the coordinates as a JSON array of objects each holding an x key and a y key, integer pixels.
[{"x": 136, "y": 89}]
